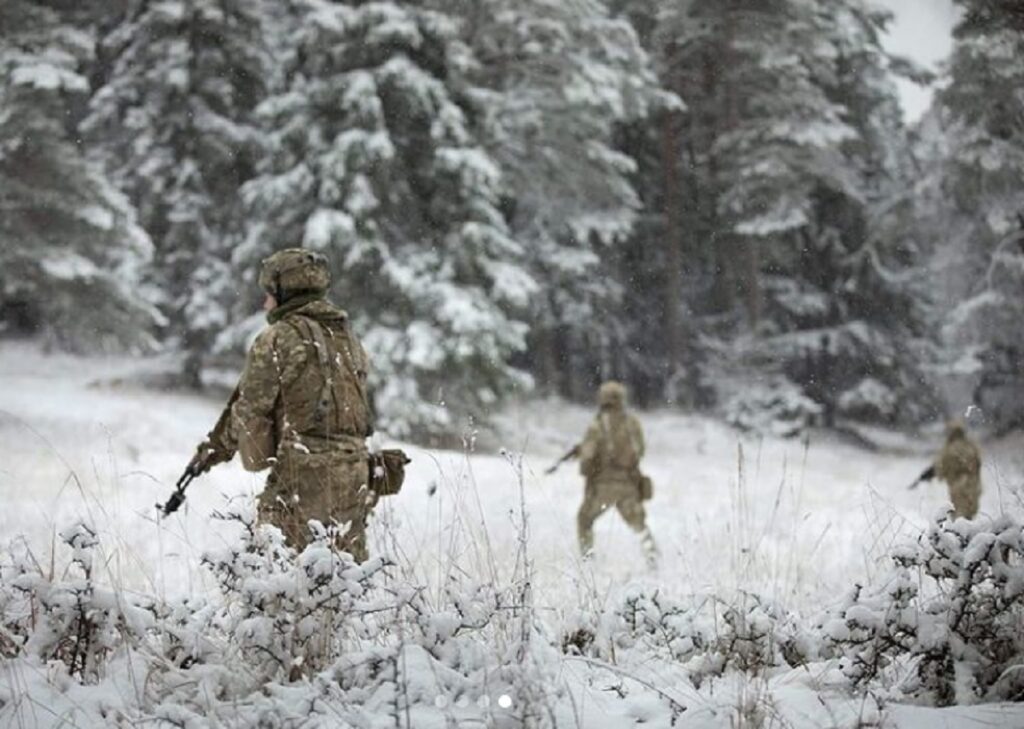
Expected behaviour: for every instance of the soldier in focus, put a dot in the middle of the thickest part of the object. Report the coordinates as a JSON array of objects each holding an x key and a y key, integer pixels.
[
  {"x": 959, "y": 465},
  {"x": 301, "y": 408},
  {"x": 610, "y": 462}
]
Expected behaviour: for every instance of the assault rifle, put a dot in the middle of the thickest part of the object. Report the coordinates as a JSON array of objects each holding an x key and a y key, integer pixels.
[
  {"x": 927, "y": 475},
  {"x": 178, "y": 497},
  {"x": 205, "y": 458},
  {"x": 574, "y": 452}
]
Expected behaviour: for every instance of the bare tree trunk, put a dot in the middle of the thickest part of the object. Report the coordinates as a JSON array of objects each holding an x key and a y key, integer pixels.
[
  {"x": 674, "y": 237},
  {"x": 752, "y": 280},
  {"x": 720, "y": 236},
  {"x": 747, "y": 248},
  {"x": 546, "y": 362}
]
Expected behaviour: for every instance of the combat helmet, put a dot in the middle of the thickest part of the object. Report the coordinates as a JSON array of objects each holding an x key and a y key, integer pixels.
[
  {"x": 955, "y": 429},
  {"x": 294, "y": 271},
  {"x": 611, "y": 395}
]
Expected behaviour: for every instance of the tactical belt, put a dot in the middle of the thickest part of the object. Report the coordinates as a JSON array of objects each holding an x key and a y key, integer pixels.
[{"x": 327, "y": 443}]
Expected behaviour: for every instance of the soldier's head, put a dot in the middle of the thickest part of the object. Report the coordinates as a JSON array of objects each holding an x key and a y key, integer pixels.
[
  {"x": 955, "y": 429},
  {"x": 611, "y": 396},
  {"x": 294, "y": 272}
]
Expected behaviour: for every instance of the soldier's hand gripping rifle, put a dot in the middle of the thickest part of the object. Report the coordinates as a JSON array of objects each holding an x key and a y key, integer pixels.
[
  {"x": 927, "y": 475},
  {"x": 574, "y": 452},
  {"x": 206, "y": 457}
]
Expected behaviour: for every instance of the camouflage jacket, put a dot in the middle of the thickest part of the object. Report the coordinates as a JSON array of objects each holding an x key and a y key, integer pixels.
[
  {"x": 613, "y": 445},
  {"x": 959, "y": 458},
  {"x": 303, "y": 387}
]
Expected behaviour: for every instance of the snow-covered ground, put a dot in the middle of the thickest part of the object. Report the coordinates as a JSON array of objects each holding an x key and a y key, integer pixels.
[{"x": 798, "y": 522}]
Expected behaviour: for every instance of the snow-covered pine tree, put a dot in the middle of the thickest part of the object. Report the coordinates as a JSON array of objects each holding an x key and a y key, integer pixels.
[
  {"x": 769, "y": 135},
  {"x": 554, "y": 81},
  {"x": 71, "y": 253},
  {"x": 666, "y": 266},
  {"x": 377, "y": 161},
  {"x": 978, "y": 205},
  {"x": 727, "y": 181},
  {"x": 859, "y": 356},
  {"x": 173, "y": 122},
  {"x": 770, "y": 202}
]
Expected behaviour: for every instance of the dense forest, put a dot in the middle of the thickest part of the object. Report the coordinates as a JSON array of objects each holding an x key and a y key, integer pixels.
[{"x": 715, "y": 201}]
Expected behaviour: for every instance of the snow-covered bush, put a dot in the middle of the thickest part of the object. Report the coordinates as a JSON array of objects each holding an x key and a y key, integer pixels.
[
  {"x": 706, "y": 634},
  {"x": 290, "y": 615},
  {"x": 313, "y": 637},
  {"x": 778, "y": 407},
  {"x": 284, "y": 635},
  {"x": 358, "y": 634},
  {"x": 869, "y": 401},
  {"x": 73, "y": 621},
  {"x": 16, "y": 609},
  {"x": 954, "y": 606}
]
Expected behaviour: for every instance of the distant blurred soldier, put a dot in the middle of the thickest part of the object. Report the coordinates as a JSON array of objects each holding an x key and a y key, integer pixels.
[
  {"x": 959, "y": 465},
  {"x": 301, "y": 408},
  {"x": 610, "y": 462}
]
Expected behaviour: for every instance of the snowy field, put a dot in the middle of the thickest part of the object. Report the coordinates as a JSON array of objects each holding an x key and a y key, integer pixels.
[{"x": 795, "y": 521}]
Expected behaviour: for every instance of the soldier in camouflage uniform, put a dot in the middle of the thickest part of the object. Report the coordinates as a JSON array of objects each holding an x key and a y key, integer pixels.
[
  {"x": 959, "y": 465},
  {"x": 610, "y": 462},
  {"x": 301, "y": 408}
]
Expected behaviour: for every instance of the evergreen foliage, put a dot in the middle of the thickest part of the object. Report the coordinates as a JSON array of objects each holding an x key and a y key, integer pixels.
[
  {"x": 172, "y": 120},
  {"x": 980, "y": 202},
  {"x": 376, "y": 160},
  {"x": 783, "y": 229},
  {"x": 71, "y": 252},
  {"x": 553, "y": 82},
  {"x": 692, "y": 197}
]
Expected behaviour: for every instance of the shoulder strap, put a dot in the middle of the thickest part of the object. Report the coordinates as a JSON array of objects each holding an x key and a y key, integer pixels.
[
  {"x": 316, "y": 335},
  {"x": 315, "y": 329}
]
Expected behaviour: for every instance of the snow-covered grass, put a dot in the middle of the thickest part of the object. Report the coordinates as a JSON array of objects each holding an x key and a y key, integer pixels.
[{"x": 795, "y": 522}]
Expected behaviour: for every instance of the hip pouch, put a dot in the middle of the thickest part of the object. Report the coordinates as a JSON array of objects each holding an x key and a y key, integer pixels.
[
  {"x": 646, "y": 487},
  {"x": 387, "y": 471}
]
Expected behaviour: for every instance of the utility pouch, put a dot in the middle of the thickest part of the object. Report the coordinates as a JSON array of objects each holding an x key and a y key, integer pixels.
[
  {"x": 646, "y": 487},
  {"x": 387, "y": 471}
]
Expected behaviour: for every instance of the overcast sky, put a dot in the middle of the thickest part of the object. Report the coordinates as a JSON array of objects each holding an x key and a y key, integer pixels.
[{"x": 922, "y": 31}]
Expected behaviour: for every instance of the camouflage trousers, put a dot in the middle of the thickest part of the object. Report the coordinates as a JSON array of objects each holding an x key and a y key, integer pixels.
[
  {"x": 601, "y": 495},
  {"x": 330, "y": 487},
  {"x": 965, "y": 493}
]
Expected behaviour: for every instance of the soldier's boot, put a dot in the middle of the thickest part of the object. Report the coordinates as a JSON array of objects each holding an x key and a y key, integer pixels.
[
  {"x": 585, "y": 537},
  {"x": 651, "y": 553}
]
